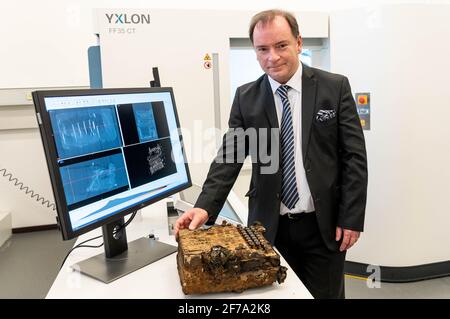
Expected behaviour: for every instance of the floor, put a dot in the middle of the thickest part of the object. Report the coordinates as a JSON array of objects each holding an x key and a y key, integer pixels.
[{"x": 29, "y": 263}]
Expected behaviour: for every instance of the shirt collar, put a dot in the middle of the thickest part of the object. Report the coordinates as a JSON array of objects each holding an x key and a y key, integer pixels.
[{"x": 295, "y": 82}]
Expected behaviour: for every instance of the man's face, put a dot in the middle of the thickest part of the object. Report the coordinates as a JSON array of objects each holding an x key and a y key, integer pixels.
[{"x": 277, "y": 49}]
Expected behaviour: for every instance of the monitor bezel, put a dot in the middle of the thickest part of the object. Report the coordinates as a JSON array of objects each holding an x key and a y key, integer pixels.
[{"x": 49, "y": 145}]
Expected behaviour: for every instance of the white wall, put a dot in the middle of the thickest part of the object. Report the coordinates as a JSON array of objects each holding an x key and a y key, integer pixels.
[
  {"x": 23, "y": 157},
  {"x": 401, "y": 55},
  {"x": 44, "y": 42}
]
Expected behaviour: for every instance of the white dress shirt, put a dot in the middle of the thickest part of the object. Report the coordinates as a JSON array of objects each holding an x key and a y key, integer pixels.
[{"x": 305, "y": 204}]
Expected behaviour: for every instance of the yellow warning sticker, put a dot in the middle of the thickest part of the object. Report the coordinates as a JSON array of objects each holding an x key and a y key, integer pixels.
[{"x": 207, "y": 57}]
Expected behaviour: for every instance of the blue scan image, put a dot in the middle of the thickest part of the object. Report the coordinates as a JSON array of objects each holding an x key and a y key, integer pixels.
[
  {"x": 91, "y": 178},
  {"x": 145, "y": 122},
  {"x": 85, "y": 130}
]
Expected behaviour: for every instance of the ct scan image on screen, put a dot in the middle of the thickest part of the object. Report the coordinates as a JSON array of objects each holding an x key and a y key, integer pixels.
[{"x": 115, "y": 151}]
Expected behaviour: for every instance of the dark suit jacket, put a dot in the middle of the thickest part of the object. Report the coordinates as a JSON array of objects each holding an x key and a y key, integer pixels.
[{"x": 334, "y": 156}]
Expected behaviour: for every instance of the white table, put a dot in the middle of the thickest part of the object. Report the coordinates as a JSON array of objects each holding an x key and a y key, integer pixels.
[{"x": 158, "y": 280}]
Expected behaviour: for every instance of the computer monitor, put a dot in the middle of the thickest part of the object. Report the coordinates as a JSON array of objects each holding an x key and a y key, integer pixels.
[{"x": 111, "y": 152}]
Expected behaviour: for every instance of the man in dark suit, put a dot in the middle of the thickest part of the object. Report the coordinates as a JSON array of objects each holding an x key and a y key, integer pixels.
[{"x": 313, "y": 203}]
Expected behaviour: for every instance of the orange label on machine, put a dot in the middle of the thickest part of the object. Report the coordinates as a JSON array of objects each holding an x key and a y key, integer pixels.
[{"x": 362, "y": 99}]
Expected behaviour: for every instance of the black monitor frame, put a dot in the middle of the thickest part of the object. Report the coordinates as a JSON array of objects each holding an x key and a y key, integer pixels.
[
  {"x": 51, "y": 156},
  {"x": 120, "y": 257}
]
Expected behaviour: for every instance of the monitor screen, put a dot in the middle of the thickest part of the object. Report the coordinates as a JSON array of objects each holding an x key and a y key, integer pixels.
[{"x": 110, "y": 152}]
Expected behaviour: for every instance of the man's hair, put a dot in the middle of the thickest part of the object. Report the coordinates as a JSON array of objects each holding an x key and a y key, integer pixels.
[{"x": 268, "y": 15}]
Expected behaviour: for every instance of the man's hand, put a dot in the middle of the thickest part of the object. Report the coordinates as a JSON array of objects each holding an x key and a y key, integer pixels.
[
  {"x": 192, "y": 219},
  {"x": 350, "y": 238}
]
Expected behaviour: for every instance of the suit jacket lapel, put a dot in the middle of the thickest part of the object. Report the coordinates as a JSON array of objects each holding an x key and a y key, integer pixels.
[
  {"x": 309, "y": 87},
  {"x": 269, "y": 103}
]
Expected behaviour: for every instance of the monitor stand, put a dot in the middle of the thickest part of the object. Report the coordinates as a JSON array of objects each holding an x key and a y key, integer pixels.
[{"x": 121, "y": 258}]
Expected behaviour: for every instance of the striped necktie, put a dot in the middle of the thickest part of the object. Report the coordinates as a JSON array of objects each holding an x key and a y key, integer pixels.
[{"x": 289, "y": 193}]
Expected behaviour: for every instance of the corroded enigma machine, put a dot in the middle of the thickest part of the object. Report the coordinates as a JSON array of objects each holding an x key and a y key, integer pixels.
[{"x": 226, "y": 258}]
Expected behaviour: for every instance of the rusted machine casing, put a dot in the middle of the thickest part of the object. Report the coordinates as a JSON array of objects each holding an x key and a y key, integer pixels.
[{"x": 226, "y": 258}]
